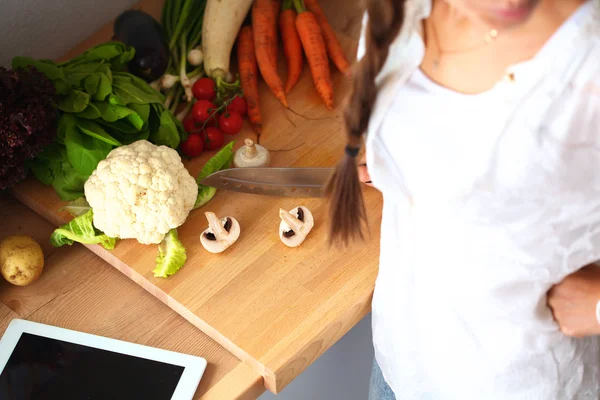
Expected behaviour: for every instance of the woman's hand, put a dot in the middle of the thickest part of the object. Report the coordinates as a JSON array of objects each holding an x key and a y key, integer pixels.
[
  {"x": 363, "y": 173},
  {"x": 573, "y": 302}
]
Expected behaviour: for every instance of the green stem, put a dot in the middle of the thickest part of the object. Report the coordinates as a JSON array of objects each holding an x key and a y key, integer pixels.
[
  {"x": 299, "y": 4},
  {"x": 222, "y": 84},
  {"x": 184, "y": 113},
  {"x": 173, "y": 60},
  {"x": 169, "y": 96},
  {"x": 182, "y": 21},
  {"x": 217, "y": 110},
  {"x": 195, "y": 34},
  {"x": 176, "y": 100},
  {"x": 166, "y": 17},
  {"x": 183, "y": 58},
  {"x": 198, "y": 71},
  {"x": 286, "y": 5}
]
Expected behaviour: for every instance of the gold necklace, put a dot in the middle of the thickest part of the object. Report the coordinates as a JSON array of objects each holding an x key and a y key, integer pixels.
[{"x": 489, "y": 38}]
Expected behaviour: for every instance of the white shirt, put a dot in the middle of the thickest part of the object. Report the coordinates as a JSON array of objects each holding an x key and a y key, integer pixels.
[{"x": 489, "y": 200}]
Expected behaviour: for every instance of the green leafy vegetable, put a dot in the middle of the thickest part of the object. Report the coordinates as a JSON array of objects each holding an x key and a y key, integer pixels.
[
  {"x": 52, "y": 167},
  {"x": 101, "y": 106},
  {"x": 91, "y": 84},
  {"x": 104, "y": 87},
  {"x": 48, "y": 68},
  {"x": 142, "y": 110},
  {"x": 130, "y": 93},
  {"x": 221, "y": 160},
  {"x": 171, "y": 255},
  {"x": 164, "y": 134},
  {"x": 117, "y": 53},
  {"x": 47, "y": 164},
  {"x": 85, "y": 152},
  {"x": 93, "y": 129},
  {"x": 81, "y": 229},
  {"x": 76, "y": 101},
  {"x": 77, "y": 207},
  {"x": 90, "y": 112},
  {"x": 111, "y": 112},
  {"x": 67, "y": 182}
]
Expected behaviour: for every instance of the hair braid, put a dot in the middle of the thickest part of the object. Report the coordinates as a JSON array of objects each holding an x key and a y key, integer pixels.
[{"x": 347, "y": 210}]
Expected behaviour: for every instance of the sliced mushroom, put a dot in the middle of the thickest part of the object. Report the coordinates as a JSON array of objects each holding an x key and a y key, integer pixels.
[
  {"x": 251, "y": 155},
  {"x": 295, "y": 225},
  {"x": 221, "y": 233}
]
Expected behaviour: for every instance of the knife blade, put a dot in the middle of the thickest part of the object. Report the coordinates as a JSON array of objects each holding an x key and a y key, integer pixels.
[{"x": 287, "y": 182}]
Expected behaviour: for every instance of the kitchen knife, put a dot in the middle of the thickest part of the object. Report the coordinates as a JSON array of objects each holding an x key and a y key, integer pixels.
[{"x": 288, "y": 182}]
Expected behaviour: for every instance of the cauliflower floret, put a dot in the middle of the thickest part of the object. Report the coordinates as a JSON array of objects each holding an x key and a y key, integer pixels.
[{"x": 140, "y": 191}]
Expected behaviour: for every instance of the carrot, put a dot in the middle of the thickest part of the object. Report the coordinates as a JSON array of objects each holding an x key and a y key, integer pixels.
[
  {"x": 249, "y": 76},
  {"x": 316, "y": 52},
  {"x": 273, "y": 27},
  {"x": 263, "y": 26},
  {"x": 292, "y": 47},
  {"x": 334, "y": 49}
]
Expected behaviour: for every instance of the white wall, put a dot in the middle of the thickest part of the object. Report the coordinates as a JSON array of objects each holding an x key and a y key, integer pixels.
[
  {"x": 49, "y": 28},
  {"x": 342, "y": 373}
]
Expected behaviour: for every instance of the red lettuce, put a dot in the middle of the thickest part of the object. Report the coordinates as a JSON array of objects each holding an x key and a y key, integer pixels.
[{"x": 28, "y": 120}]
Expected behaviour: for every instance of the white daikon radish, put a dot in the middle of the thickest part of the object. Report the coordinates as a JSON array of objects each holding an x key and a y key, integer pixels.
[{"x": 222, "y": 22}]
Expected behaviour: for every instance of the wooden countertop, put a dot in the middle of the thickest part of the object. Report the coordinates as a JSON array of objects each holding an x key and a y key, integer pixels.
[
  {"x": 80, "y": 291},
  {"x": 277, "y": 309}
]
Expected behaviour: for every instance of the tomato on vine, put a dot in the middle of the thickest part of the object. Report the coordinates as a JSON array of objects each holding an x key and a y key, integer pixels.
[
  {"x": 190, "y": 125},
  {"x": 238, "y": 105},
  {"x": 204, "y": 89},
  {"x": 193, "y": 146},
  {"x": 202, "y": 110},
  {"x": 230, "y": 123},
  {"x": 213, "y": 138}
]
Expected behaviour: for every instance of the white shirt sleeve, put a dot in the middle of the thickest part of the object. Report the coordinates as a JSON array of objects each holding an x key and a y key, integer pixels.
[
  {"x": 593, "y": 88},
  {"x": 582, "y": 149}
]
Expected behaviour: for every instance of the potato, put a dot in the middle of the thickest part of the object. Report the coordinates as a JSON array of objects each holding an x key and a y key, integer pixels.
[{"x": 21, "y": 260}]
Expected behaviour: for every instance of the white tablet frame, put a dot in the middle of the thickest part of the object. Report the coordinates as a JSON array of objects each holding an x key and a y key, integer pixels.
[{"x": 194, "y": 367}]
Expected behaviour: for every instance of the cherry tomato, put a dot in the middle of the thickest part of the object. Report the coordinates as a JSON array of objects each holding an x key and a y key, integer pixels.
[
  {"x": 213, "y": 120},
  {"x": 202, "y": 110},
  {"x": 238, "y": 105},
  {"x": 213, "y": 138},
  {"x": 204, "y": 89},
  {"x": 193, "y": 146},
  {"x": 230, "y": 123},
  {"x": 190, "y": 125}
]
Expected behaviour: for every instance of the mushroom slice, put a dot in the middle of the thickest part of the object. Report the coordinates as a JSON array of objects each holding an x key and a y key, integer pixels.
[
  {"x": 295, "y": 225},
  {"x": 251, "y": 155},
  {"x": 221, "y": 233}
]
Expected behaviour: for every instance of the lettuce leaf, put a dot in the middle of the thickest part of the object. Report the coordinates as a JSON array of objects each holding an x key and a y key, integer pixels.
[
  {"x": 171, "y": 255},
  {"x": 221, "y": 160},
  {"x": 77, "y": 207},
  {"x": 81, "y": 229}
]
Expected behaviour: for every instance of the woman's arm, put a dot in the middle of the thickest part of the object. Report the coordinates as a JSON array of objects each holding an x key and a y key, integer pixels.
[{"x": 575, "y": 302}]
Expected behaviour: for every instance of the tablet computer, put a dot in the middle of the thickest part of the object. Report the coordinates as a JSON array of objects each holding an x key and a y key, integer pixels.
[{"x": 39, "y": 361}]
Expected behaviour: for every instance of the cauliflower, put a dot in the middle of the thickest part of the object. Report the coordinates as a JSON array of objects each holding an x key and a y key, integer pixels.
[{"x": 140, "y": 191}]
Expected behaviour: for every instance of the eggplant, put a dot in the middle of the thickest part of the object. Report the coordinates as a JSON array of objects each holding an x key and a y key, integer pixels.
[{"x": 138, "y": 29}]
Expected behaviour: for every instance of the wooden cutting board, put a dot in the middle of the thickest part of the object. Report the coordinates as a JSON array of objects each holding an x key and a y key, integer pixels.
[{"x": 276, "y": 308}]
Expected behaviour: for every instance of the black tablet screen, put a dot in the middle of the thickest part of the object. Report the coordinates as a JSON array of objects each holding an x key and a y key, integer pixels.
[{"x": 42, "y": 368}]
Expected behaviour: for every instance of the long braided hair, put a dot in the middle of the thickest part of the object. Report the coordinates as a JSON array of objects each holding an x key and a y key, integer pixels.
[{"x": 347, "y": 209}]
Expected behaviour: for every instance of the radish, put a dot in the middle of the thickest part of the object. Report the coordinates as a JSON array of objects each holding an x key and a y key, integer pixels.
[{"x": 222, "y": 22}]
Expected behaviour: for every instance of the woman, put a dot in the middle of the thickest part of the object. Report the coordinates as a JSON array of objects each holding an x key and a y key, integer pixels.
[{"x": 482, "y": 123}]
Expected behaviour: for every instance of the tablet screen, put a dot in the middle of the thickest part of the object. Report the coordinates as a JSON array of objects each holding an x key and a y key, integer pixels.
[{"x": 44, "y": 368}]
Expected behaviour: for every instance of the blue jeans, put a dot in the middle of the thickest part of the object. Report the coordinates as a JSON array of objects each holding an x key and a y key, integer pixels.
[{"x": 379, "y": 389}]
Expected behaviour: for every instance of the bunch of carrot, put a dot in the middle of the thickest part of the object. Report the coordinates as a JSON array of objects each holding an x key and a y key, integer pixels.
[{"x": 303, "y": 26}]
